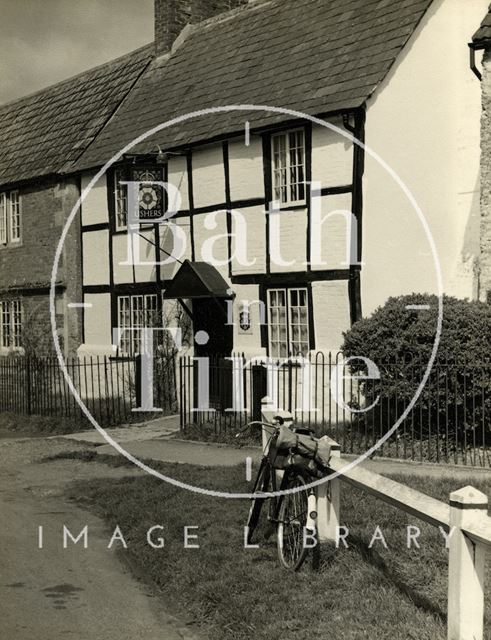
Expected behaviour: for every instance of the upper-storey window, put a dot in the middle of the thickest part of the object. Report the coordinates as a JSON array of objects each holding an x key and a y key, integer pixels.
[
  {"x": 288, "y": 154},
  {"x": 10, "y": 218},
  {"x": 151, "y": 196}
]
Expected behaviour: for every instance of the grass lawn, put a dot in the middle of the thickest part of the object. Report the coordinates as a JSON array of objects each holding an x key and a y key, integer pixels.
[
  {"x": 13, "y": 425},
  {"x": 229, "y": 592}
]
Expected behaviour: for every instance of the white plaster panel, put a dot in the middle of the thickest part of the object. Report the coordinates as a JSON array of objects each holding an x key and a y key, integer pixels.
[
  {"x": 96, "y": 257},
  {"x": 178, "y": 177},
  {"x": 253, "y": 240},
  {"x": 127, "y": 273},
  {"x": 292, "y": 241},
  {"x": 167, "y": 243},
  {"x": 332, "y": 156},
  {"x": 333, "y": 229},
  {"x": 331, "y": 313},
  {"x": 203, "y": 233},
  {"x": 94, "y": 207},
  {"x": 97, "y": 320},
  {"x": 246, "y": 169},
  {"x": 208, "y": 176}
]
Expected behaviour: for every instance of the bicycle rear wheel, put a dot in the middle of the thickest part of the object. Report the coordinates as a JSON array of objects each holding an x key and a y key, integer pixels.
[
  {"x": 262, "y": 484},
  {"x": 292, "y": 522}
]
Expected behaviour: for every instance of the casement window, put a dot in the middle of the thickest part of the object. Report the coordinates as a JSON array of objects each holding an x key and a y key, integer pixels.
[
  {"x": 10, "y": 218},
  {"x": 11, "y": 315},
  {"x": 151, "y": 196},
  {"x": 288, "y": 322},
  {"x": 288, "y": 157},
  {"x": 136, "y": 312}
]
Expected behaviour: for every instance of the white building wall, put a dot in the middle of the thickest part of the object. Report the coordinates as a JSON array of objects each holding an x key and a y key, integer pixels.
[
  {"x": 178, "y": 177},
  {"x": 246, "y": 169},
  {"x": 424, "y": 122},
  {"x": 332, "y": 313},
  {"x": 97, "y": 323},
  {"x": 208, "y": 176},
  {"x": 332, "y": 156},
  {"x": 96, "y": 257},
  {"x": 94, "y": 206}
]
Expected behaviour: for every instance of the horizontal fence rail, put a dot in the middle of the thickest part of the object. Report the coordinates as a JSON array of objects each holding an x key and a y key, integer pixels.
[
  {"x": 449, "y": 422},
  {"x": 108, "y": 387},
  {"x": 465, "y": 519}
]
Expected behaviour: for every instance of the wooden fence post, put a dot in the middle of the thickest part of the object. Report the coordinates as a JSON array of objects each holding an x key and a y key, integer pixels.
[
  {"x": 466, "y": 567},
  {"x": 328, "y": 504}
]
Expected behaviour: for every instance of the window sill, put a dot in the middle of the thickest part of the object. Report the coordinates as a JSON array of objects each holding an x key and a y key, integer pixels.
[{"x": 11, "y": 245}]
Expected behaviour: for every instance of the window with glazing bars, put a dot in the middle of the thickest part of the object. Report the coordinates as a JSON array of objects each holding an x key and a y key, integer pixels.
[
  {"x": 136, "y": 312},
  {"x": 10, "y": 218},
  {"x": 288, "y": 155},
  {"x": 288, "y": 322},
  {"x": 11, "y": 324}
]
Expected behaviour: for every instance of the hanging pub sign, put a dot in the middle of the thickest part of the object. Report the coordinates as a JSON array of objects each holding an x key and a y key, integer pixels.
[{"x": 151, "y": 200}]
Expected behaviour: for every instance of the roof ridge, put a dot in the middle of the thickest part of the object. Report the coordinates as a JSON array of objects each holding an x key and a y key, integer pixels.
[
  {"x": 229, "y": 14},
  {"x": 38, "y": 92}
]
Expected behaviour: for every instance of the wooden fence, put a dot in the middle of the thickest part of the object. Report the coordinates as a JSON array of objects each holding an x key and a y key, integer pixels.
[{"x": 465, "y": 518}]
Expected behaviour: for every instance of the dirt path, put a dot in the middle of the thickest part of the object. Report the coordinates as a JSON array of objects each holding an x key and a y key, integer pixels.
[{"x": 55, "y": 593}]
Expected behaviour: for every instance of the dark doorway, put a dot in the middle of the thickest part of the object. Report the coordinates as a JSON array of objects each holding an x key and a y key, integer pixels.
[{"x": 210, "y": 315}]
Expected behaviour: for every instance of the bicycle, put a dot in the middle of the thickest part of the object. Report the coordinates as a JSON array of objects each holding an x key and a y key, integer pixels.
[{"x": 289, "y": 462}]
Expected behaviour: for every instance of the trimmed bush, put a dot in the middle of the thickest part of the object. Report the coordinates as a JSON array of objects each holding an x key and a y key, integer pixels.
[{"x": 456, "y": 401}]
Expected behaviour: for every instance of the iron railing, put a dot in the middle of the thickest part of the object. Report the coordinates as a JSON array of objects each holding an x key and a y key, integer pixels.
[
  {"x": 449, "y": 422},
  {"x": 107, "y": 386}
]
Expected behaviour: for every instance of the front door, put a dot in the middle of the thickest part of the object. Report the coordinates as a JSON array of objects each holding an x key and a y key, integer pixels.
[{"x": 210, "y": 316}]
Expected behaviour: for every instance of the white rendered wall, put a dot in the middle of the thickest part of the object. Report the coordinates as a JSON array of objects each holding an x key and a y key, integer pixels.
[
  {"x": 94, "y": 207},
  {"x": 424, "y": 122},
  {"x": 246, "y": 169},
  {"x": 98, "y": 333},
  {"x": 96, "y": 258},
  {"x": 208, "y": 176}
]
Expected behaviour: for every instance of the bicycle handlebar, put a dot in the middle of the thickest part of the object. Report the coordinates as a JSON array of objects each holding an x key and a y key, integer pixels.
[{"x": 258, "y": 423}]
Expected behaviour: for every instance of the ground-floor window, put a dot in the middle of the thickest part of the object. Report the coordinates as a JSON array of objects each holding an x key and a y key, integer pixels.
[
  {"x": 288, "y": 322},
  {"x": 136, "y": 312},
  {"x": 11, "y": 324}
]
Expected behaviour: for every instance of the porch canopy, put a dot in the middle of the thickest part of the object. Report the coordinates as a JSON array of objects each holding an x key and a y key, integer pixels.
[{"x": 197, "y": 280}]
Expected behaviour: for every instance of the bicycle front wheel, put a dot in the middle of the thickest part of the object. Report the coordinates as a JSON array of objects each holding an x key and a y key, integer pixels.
[{"x": 292, "y": 522}]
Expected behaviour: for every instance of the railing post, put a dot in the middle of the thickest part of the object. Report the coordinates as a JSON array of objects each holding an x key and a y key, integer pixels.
[
  {"x": 466, "y": 567},
  {"x": 328, "y": 504}
]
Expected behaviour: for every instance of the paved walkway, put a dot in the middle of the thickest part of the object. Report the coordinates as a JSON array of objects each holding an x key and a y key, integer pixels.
[
  {"x": 164, "y": 427},
  {"x": 158, "y": 440},
  {"x": 211, "y": 455}
]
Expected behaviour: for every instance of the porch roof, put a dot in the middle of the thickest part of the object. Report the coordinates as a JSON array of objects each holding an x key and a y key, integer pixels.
[{"x": 197, "y": 280}]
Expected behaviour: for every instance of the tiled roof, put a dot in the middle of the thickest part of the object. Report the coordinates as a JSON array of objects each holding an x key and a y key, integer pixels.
[
  {"x": 314, "y": 56},
  {"x": 483, "y": 34},
  {"x": 47, "y": 131}
]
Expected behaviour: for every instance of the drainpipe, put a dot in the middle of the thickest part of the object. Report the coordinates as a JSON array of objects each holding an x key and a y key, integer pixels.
[{"x": 473, "y": 47}]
